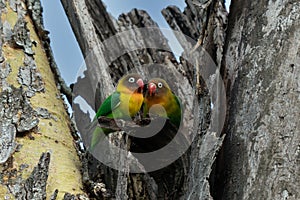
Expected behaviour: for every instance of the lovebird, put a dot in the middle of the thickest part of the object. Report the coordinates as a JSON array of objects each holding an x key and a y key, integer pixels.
[
  {"x": 159, "y": 101},
  {"x": 159, "y": 92},
  {"x": 124, "y": 103}
]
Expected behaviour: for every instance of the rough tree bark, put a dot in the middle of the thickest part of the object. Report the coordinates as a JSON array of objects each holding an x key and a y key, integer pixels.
[
  {"x": 261, "y": 67},
  {"x": 36, "y": 143},
  {"x": 87, "y": 18},
  {"x": 92, "y": 25},
  {"x": 204, "y": 21}
]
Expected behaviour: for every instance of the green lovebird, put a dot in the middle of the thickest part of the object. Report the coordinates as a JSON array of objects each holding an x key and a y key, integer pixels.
[
  {"x": 124, "y": 103},
  {"x": 159, "y": 93}
]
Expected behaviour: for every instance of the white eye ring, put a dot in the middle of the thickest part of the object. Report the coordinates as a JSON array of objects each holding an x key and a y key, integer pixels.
[
  {"x": 160, "y": 85},
  {"x": 131, "y": 80}
]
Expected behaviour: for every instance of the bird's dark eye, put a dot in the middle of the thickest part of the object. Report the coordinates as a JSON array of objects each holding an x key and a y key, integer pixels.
[
  {"x": 160, "y": 85},
  {"x": 131, "y": 80}
]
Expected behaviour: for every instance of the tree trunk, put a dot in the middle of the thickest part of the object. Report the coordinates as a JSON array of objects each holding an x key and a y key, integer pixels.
[
  {"x": 259, "y": 65},
  {"x": 172, "y": 182},
  {"x": 38, "y": 158}
]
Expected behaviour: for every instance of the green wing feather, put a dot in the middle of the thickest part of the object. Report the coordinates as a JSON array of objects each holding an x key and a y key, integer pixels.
[
  {"x": 178, "y": 101},
  {"x": 109, "y": 104},
  {"x": 175, "y": 116}
]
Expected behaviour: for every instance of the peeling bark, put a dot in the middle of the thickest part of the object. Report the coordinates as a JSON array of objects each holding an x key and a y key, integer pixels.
[
  {"x": 33, "y": 118},
  {"x": 13, "y": 103},
  {"x": 35, "y": 186},
  {"x": 20, "y": 36},
  {"x": 35, "y": 11}
]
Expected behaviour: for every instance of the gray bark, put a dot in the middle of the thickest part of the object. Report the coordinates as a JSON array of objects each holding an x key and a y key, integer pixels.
[
  {"x": 35, "y": 186},
  {"x": 147, "y": 186},
  {"x": 205, "y": 22},
  {"x": 261, "y": 62},
  {"x": 260, "y": 67}
]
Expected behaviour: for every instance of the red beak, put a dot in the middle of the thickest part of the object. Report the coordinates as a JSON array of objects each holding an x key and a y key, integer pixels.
[
  {"x": 140, "y": 83},
  {"x": 152, "y": 88}
]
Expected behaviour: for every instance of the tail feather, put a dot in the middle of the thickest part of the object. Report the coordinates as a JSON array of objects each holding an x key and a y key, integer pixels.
[{"x": 98, "y": 134}]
